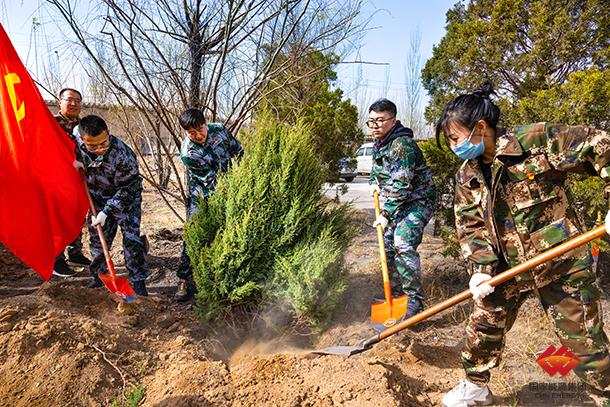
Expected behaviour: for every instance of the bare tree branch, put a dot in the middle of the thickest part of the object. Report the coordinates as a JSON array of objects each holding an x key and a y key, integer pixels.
[{"x": 154, "y": 59}]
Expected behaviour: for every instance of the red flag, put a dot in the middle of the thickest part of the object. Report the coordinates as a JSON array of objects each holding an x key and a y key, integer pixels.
[{"x": 42, "y": 198}]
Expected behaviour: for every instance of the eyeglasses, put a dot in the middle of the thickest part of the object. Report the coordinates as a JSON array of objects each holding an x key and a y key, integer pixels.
[
  {"x": 72, "y": 101},
  {"x": 374, "y": 123},
  {"x": 97, "y": 147}
]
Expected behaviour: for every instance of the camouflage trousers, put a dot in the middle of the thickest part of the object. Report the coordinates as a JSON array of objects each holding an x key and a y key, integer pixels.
[
  {"x": 76, "y": 246},
  {"x": 133, "y": 246},
  {"x": 401, "y": 238},
  {"x": 572, "y": 303},
  {"x": 185, "y": 270}
]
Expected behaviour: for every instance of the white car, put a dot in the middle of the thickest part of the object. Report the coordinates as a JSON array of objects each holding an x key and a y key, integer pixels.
[{"x": 364, "y": 157}]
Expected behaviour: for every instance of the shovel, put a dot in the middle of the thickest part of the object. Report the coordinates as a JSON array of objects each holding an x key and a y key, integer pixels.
[
  {"x": 464, "y": 295},
  {"x": 119, "y": 286},
  {"x": 387, "y": 313}
]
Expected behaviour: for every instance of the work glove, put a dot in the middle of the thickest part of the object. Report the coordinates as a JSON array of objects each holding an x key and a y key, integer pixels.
[
  {"x": 100, "y": 219},
  {"x": 607, "y": 221},
  {"x": 78, "y": 166},
  {"x": 480, "y": 291},
  {"x": 373, "y": 188},
  {"x": 381, "y": 220}
]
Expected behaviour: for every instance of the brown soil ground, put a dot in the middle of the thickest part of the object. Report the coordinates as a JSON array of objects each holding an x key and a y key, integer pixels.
[{"x": 64, "y": 345}]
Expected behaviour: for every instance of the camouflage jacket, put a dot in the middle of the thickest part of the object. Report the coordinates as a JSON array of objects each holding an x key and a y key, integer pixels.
[
  {"x": 204, "y": 161},
  {"x": 113, "y": 179},
  {"x": 66, "y": 124},
  {"x": 528, "y": 207},
  {"x": 400, "y": 170}
]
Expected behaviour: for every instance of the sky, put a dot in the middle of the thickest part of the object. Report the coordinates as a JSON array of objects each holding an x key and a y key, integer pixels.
[
  {"x": 387, "y": 42},
  {"x": 394, "y": 22}
]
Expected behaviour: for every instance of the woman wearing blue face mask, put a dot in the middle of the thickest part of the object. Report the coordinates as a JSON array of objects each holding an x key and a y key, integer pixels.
[{"x": 512, "y": 203}]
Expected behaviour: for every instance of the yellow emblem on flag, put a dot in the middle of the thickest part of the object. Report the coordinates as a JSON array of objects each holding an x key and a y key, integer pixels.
[{"x": 11, "y": 80}]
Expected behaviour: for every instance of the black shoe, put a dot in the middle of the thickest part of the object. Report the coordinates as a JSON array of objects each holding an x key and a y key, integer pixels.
[
  {"x": 61, "y": 269},
  {"x": 95, "y": 282},
  {"x": 78, "y": 260},
  {"x": 140, "y": 288},
  {"x": 186, "y": 290}
]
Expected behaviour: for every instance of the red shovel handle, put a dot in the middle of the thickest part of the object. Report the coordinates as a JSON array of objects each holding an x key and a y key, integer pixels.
[{"x": 100, "y": 231}]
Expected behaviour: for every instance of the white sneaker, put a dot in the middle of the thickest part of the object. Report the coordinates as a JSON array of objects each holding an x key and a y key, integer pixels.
[{"x": 467, "y": 393}]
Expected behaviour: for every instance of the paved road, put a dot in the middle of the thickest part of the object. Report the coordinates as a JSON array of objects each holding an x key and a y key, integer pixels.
[{"x": 357, "y": 192}]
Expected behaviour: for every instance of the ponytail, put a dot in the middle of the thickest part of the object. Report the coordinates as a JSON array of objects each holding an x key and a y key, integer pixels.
[{"x": 468, "y": 109}]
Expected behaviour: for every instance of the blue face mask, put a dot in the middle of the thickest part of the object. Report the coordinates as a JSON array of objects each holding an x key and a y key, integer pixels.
[{"x": 466, "y": 150}]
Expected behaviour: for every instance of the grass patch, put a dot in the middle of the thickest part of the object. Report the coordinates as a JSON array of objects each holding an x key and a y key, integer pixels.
[{"x": 131, "y": 397}]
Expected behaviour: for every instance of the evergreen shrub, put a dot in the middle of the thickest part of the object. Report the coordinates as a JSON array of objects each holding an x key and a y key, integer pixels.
[{"x": 267, "y": 234}]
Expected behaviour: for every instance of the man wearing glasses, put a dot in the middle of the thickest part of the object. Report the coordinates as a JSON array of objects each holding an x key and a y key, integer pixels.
[
  {"x": 401, "y": 176},
  {"x": 70, "y": 102},
  {"x": 115, "y": 184}
]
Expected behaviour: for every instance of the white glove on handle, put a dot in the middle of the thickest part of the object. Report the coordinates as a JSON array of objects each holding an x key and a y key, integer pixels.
[
  {"x": 381, "y": 220},
  {"x": 373, "y": 188},
  {"x": 480, "y": 291},
  {"x": 100, "y": 219},
  {"x": 607, "y": 221}
]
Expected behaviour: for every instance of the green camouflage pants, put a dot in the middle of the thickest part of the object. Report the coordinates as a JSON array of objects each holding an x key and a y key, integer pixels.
[
  {"x": 572, "y": 303},
  {"x": 401, "y": 238}
]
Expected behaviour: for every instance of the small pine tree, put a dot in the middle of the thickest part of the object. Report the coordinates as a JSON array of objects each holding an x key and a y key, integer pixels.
[
  {"x": 444, "y": 164},
  {"x": 266, "y": 233}
]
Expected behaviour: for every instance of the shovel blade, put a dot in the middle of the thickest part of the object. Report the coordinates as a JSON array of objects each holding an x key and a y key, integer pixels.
[
  {"x": 386, "y": 314},
  {"x": 341, "y": 350},
  {"x": 119, "y": 286}
]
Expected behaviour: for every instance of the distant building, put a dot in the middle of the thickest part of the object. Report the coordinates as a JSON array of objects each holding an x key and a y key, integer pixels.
[{"x": 142, "y": 136}]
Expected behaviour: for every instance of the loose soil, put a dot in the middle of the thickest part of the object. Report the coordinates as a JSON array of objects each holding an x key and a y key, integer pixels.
[{"x": 62, "y": 344}]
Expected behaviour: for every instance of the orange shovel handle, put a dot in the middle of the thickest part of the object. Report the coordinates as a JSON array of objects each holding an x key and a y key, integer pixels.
[{"x": 543, "y": 257}]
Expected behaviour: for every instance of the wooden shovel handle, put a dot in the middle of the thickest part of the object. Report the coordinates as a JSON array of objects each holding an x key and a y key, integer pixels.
[
  {"x": 387, "y": 289},
  {"x": 494, "y": 281}
]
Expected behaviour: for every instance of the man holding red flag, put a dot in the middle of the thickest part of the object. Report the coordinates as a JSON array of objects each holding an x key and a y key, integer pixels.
[
  {"x": 70, "y": 102},
  {"x": 42, "y": 198}
]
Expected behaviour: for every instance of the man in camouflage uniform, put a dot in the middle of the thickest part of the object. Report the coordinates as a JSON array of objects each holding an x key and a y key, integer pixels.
[
  {"x": 70, "y": 101},
  {"x": 115, "y": 185},
  {"x": 206, "y": 150},
  {"x": 400, "y": 174},
  {"x": 514, "y": 208}
]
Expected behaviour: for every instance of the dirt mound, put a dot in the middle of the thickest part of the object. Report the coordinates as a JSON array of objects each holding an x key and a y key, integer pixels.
[
  {"x": 62, "y": 344},
  {"x": 51, "y": 357}
]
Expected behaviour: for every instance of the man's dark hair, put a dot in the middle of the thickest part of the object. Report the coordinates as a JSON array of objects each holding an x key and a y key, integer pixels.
[
  {"x": 92, "y": 126},
  {"x": 64, "y": 90},
  {"x": 383, "y": 105},
  {"x": 468, "y": 109},
  {"x": 191, "y": 119}
]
